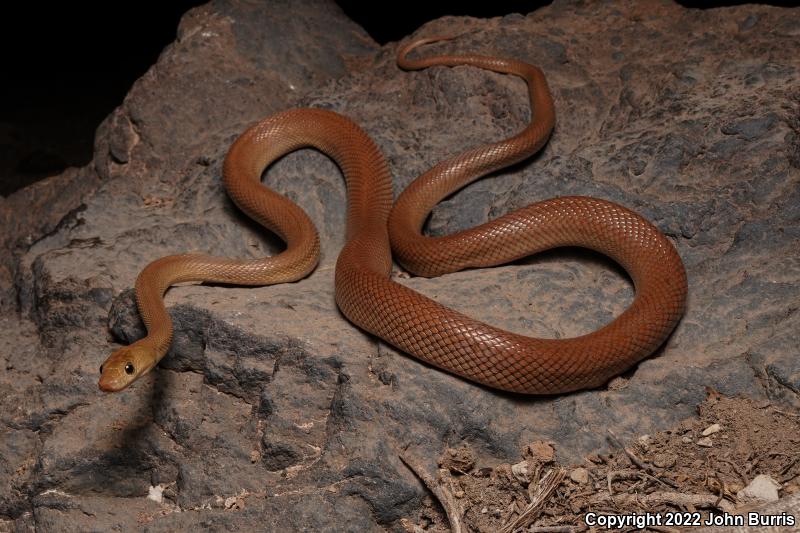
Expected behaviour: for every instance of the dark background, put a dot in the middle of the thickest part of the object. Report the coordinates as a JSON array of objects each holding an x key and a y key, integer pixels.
[{"x": 67, "y": 65}]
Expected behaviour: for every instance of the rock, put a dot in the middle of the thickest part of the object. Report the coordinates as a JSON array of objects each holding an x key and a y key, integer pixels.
[
  {"x": 594, "y": 458},
  {"x": 686, "y": 440},
  {"x": 705, "y": 442},
  {"x": 710, "y": 430},
  {"x": 540, "y": 452},
  {"x": 579, "y": 475},
  {"x": 234, "y": 502},
  {"x": 762, "y": 489},
  {"x": 155, "y": 493},
  {"x": 270, "y": 390},
  {"x": 664, "y": 460},
  {"x": 520, "y": 472}
]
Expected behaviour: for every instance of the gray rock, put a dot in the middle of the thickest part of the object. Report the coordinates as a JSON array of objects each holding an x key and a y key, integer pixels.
[
  {"x": 762, "y": 489},
  {"x": 268, "y": 395}
]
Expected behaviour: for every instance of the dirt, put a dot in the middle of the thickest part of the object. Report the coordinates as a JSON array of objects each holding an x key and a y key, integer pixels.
[{"x": 697, "y": 466}]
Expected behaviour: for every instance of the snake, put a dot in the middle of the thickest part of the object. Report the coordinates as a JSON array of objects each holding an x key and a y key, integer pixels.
[{"x": 378, "y": 231}]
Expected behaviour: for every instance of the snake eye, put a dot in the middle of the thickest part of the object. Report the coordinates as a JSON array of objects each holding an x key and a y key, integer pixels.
[
  {"x": 101, "y": 369},
  {"x": 129, "y": 368}
]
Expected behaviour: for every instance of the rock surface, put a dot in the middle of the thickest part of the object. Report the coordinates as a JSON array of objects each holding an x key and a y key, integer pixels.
[
  {"x": 271, "y": 409},
  {"x": 762, "y": 489}
]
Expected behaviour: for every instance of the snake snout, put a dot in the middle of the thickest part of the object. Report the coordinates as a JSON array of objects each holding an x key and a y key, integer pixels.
[{"x": 125, "y": 366}]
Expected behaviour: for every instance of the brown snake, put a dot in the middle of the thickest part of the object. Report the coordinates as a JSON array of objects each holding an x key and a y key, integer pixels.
[{"x": 402, "y": 317}]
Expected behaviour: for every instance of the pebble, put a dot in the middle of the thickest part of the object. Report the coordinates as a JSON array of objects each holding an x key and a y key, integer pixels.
[
  {"x": 713, "y": 428},
  {"x": 155, "y": 493},
  {"x": 762, "y": 489},
  {"x": 234, "y": 502},
  {"x": 540, "y": 451},
  {"x": 705, "y": 442},
  {"x": 664, "y": 460},
  {"x": 686, "y": 440},
  {"x": 595, "y": 458},
  {"x": 520, "y": 471},
  {"x": 579, "y": 475},
  {"x": 617, "y": 383}
]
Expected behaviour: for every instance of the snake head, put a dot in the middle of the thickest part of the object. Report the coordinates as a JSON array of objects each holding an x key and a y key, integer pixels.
[{"x": 125, "y": 366}]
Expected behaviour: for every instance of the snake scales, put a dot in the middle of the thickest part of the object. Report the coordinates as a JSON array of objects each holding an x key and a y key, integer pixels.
[{"x": 402, "y": 317}]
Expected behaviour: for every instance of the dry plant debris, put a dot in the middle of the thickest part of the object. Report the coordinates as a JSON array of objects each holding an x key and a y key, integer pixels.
[{"x": 703, "y": 465}]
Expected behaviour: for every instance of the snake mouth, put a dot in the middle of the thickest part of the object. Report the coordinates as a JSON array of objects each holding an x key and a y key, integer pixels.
[
  {"x": 108, "y": 384},
  {"x": 118, "y": 375}
]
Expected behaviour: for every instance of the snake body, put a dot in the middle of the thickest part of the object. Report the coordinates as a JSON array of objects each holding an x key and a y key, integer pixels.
[{"x": 404, "y": 318}]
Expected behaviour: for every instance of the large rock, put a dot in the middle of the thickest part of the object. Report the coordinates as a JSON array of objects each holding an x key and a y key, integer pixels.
[{"x": 271, "y": 410}]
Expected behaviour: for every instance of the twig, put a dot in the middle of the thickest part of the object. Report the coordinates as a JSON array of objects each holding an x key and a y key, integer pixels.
[
  {"x": 633, "y": 488},
  {"x": 552, "y": 529},
  {"x": 677, "y": 499},
  {"x": 548, "y": 484},
  {"x": 722, "y": 489},
  {"x": 787, "y": 468},
  {"x": 735, "y": 467},
  {"x": 623, "y": 475},
  {"x": 638, "y": 462},
  {"x": 784, "y": 412},
  {"x": 452, "y": 508}
]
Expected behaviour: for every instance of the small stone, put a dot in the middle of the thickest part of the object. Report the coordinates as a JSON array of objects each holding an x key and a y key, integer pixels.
[
  {"x": 484, "y": 510},
  {"x": 686, "y": 440},
  {"x": 713, "y": 428},
  {"x": 539, "y": 451},
  {"x": 156, "y": 493},
  {"x": 664, "y": 460},
  {"x": 644, "y": 441},
  {"x": 410, "y": 527},
  {"x": 595, "y": 458},
  {"x": 705, "y": 442},
  {"x": 520, "y": 471},
  {"x": 579, "y": 475},
  {"x": 762, "y": 489},
  {"x": 234, "y": 502},
  {"x": 459, "y": 494},
  {"x": 483, "y": 472}
]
